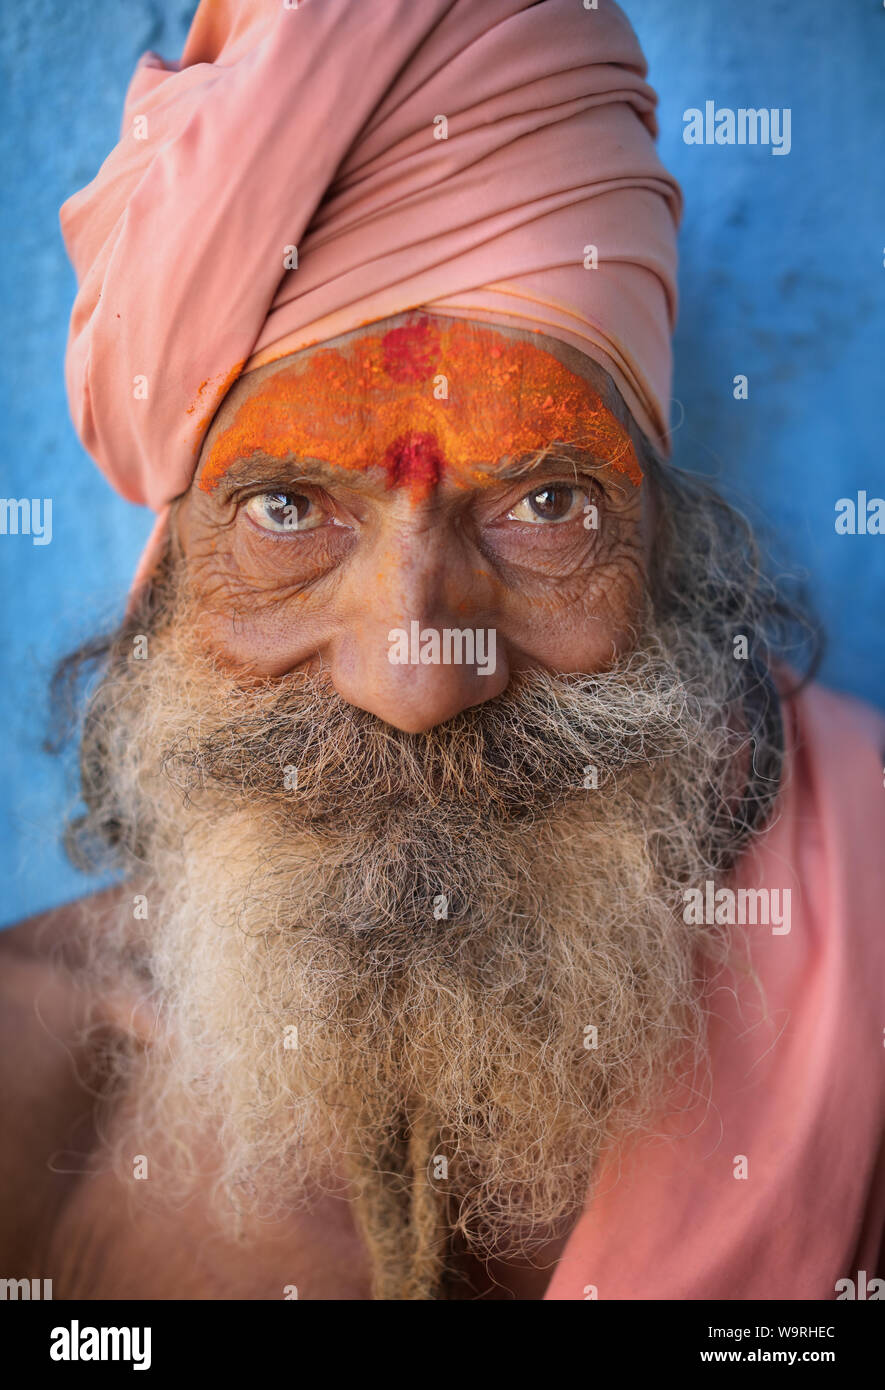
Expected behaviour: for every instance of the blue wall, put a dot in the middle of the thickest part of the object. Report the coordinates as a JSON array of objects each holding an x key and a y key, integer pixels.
[{"x": 782, "y": 279}]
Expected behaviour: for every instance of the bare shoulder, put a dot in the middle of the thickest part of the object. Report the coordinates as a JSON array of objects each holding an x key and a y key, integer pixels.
[
  {"x": 39, "y": 959},
  {"x": 44, "y": 1064}
]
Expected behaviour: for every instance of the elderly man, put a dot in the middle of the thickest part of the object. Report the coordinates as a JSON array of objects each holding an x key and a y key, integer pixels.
[{"x": 494, "y": 915}]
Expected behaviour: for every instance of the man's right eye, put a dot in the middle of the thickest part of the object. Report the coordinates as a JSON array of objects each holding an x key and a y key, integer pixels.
[{"x": 286, "y": 511}]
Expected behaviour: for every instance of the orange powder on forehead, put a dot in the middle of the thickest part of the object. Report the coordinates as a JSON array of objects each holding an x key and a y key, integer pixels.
[{"x": 419, "y": 401}]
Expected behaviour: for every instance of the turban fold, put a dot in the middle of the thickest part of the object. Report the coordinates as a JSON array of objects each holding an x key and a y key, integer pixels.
[{"x": 288, "y": 181}]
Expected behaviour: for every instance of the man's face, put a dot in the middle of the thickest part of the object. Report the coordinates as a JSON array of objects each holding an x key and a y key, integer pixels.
[{"x": 345, "y": 493}]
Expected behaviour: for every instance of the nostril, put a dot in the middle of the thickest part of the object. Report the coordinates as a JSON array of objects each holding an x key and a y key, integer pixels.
[{"x": 417, "y": 706}]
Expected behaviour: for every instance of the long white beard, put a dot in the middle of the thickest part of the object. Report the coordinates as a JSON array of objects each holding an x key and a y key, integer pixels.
[{"x": 408, "y": 942}]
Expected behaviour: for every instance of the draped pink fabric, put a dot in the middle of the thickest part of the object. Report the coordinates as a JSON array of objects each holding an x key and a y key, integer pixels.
[
  {"x": 800, "y": 1094},
  {"x": 315, "y": 128}
]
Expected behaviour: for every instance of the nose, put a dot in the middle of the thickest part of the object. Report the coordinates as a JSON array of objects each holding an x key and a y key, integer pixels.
[{"x": 418, "y": 642}]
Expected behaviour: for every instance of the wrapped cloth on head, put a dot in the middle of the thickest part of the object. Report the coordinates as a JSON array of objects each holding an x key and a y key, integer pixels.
[{"x": 304, "y": 171}]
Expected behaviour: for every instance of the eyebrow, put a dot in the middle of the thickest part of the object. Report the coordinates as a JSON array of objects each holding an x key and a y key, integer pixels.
[
  {"x": 550, "y": 458},
  {"x": 261, "y": 468}
]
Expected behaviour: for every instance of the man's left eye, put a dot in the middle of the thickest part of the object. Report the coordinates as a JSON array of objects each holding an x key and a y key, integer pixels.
[
  {"x": 555, "y": 502},
  {"x": 286, "y": 511}
]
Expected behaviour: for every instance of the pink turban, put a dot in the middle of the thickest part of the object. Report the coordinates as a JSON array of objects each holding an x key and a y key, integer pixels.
[{"x": 311, "y": 132}]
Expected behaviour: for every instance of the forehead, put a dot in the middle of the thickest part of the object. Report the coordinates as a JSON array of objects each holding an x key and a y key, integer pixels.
[
  {"x": 504, "y": 391},
  {"x": 405, "y": 338}
]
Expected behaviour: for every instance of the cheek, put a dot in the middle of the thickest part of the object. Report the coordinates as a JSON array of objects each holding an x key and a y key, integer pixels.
[
  {"x": 247, "y": 614},
  {"x": 583, "y": 623},
  {"x": 261, "y": 635}
]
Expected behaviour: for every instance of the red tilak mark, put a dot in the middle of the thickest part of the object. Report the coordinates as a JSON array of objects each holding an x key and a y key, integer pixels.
[
  {"x": 414, "y": 459},
  {"x": 411, "y": 353}
]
